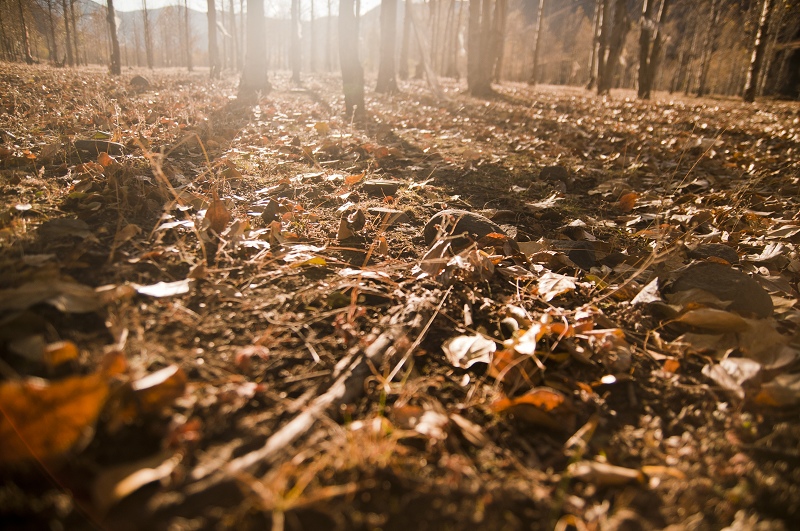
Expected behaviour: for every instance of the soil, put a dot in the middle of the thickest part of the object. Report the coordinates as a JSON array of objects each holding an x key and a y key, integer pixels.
[{"x": 612, "y": 421}]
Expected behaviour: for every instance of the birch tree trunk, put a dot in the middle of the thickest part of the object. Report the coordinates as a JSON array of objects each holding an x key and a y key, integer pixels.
[
  {"x": 757, "y": 59},
  {"x": 537, "y": 42}
]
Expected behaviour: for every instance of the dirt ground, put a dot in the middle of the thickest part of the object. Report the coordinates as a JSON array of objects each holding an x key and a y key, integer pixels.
[{"x": 220, "y": 314}]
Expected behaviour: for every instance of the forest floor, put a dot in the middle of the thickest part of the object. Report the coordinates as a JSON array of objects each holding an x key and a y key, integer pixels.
[{"x": 241, "y": 315}]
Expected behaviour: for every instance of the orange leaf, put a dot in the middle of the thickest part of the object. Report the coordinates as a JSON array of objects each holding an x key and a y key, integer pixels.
[
  {"x": 353, "y": 179},
  {"x": 43, "y": 420},
  {"x": 541, "y": 406},
  {"x": 627, "y": 201},
  {"x": 217, "y": 214},
  {"x": 60, "y": 352},
  {"x": 105, "y": 160}
]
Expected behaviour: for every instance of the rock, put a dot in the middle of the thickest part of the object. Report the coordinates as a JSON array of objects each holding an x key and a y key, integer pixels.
[
  {"x": 381, "y": 187},
  {"x": 475, "y": 225},
  {"x": 705, "y": 251},
  {"x": 95, "y": 147},
  {"x": 140, "y": 83},
  {"x": 389, "y": 215},
  {"x": 580, "y": 252},
  {"x": 746, "y": 295},
  {"x": 555, "y": 172}
]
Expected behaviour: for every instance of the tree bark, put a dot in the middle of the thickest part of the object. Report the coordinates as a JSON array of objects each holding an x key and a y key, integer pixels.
[
  {"x": 54, "y": 50},
  {"x": 709, "y": 45},
  {"x": 115, "y": 67},
  {"x": 352, "y": 71},
  {"x": 74, "y": 22},
  {"x": 254, "y": 75},
  {"x": 498, "y": 37},
  {"x": 650, "y": 41},
  {"x": 294, "y": 42},
  {"x": 537, "y": 42},
  {"x": 187, "y": 36},
  {"x": 481, "y": 54},
  {"x": 312, "y": 54},
  {"x": 387, "y": 81},
  {"x": 403, "y": 70},
  {"x": 213, "y": 51},
  {"x": 26, "y": 47},
  {"x": 148, "y": 36},
  {"x": 757, "y": 59},
  {"x": 237, "y": 53},
  {"x": 613, "y": 44},
  {"x": 329, "y": 38},
  {"x": 597, "y": 22}
]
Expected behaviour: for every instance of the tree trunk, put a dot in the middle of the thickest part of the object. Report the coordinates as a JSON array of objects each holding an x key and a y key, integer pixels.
[
  {"x": 403, "y": 70},
  {"x": 649, "y": 52},
  {"x": 254, "y": 75},
  {"x": 757, "y": 59},
  {"x": 26, "y": 47},
  {"x": 187, "y": 36},
  {"x": 498, "y": 37},
  {"x": 597, "y": 22},
  {"x": 537, "y": 42},
  {"x": 709, "y": 45},
  {"x": 352, "y": 72},
  {"x": 294, "y": 42},
  {"x": 148, "y": 36},
  {"x": 74, "y": 22},
  {"x": 213, "y": 52},
  {"x": 237, "y": 53},
  {"x": 387, "y": 82},
  {"x": 480, "y": 52},
  {"x": 116, "y": 68},
  {"x": 67, "y": 43},
  {"x": 615, "y": 40},
  {"x": 312, "y": 54},
  {"x": 329, "y": 38},
  {"x": 54, "y": 51}
]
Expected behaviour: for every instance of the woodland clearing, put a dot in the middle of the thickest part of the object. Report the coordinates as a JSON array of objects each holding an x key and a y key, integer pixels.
[{"x": 225, "y": 315}]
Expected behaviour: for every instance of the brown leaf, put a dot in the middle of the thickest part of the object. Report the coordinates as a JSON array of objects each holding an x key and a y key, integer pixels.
[
  {"x": 541, "y": 406},
  {"x": 217, "y": 214}
]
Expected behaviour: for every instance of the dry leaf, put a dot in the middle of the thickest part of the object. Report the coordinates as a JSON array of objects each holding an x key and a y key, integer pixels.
[
  {"x": 217, "y": 214},
  {"x": 60, "y": 352},
  {"x": 551, "y": 285},
  {"x": 541, "y": 406},
  {"x": 116, "y": 483},
  {"x": 165, "y": 289},
  {"x": 605, "y": 475},
  {"x": 466, "y": 351},
  {"x": 713, "y": 320}
]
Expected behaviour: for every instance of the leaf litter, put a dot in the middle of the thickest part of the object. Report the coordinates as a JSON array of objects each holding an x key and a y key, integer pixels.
[{"x": 560, "y": 311}]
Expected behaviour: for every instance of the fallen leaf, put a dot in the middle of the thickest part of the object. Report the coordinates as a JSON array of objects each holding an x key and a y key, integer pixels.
[
  {"x": 551, "y": 285},
  {"x": 217, "y": 214},
  {"x": 466, "y": 351},
  {"x": 116, "y": 483},
  {"x": 541, "y": 406},
  {"x": 713, "y": 320},
  {"x": 65, "y": 295},
  {"x": 165, "y": 289},
  {"x": 604, "y": 474}
]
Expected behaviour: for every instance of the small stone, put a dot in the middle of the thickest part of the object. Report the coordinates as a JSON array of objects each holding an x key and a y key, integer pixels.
[
  {"x": 140, "y": 83},
  {"x": 555, "y": 172},
  {"x": 705, "y": 251},
  {"x": 475, "y": 225},
  {"x": 381, "y": 187},
  {"x": 580, "y": 252},
  {"x": 389, "y": 216},
  {"x": 746, "y": 294}
]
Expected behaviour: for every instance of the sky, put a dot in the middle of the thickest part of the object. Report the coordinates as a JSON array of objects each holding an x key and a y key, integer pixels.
[{"x": 272, "y": 7}]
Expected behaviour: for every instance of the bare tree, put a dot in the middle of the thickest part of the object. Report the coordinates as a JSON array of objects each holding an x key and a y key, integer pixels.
[
  {"x": 498, "y": 36},
  {"x": 213, "y": 51},
  {"x": 709, "y": 45},
  {"x": 254, "y": 74},
  {"x": 650, "y": 45},
  {"x": 294, "y": 42},
  {"x": 26, "y": 47},
  {"x": 67, "y": 28},
  {"x": 387, "y": 81},
  {"x": 312, "y": 54},
  {"x": 352, "y": 71},
  {"x": 537, "y": 42},
  {"x": 187, "y": 36},
  {"x": 74, "y": 21},
  {"x": 612, "y": 40},
  {"x": 148, "y": 36},
  {"x": 757, "y": 58},
  {"x": 405, "y": 43},
  {"x": 116, "y": 67},
  {"x": 597, "y": 23},
  {"x": 52, "y": 28},
  {"x": 481, "y": 47}
]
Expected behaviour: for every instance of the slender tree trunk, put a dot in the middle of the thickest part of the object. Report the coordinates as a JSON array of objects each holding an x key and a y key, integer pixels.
[
  {"x": 352, "y": 71},
  {"x": 498, "y": 37},
  {"x": 457, "y": 39},
  {"x": 709, "y": 45},
  {"x": 405, "y": 43},
  {"x": 235, "y": 60},
  {"x": 650, "y": 46},
  {"x": 294, "y": 42},
  {"x": 115, "y": 67},
  {"x": 254, "y": 75},
  {"x": 67, "y": 43},
  {"x": 312, "y": 54},
  {"x": 614, "y": 42},
  {"x": 75, "y": 37},
  {"x": 54, "y": 56},
  {"x": 597, "y": 22},
  {"x": 26, "y": 47},
  {"x": 537, "y": 42},
  {"x": 148, "y": 35},
  {"x": 187, "y": 35},
  {"x": 387, "y": 81},
  {"x": 759, "y": 47},
  {"x": 213, "y": 51}
]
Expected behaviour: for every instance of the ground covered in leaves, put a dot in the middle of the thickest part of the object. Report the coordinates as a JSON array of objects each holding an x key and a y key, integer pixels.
[{"x": 217, "y": 313}]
